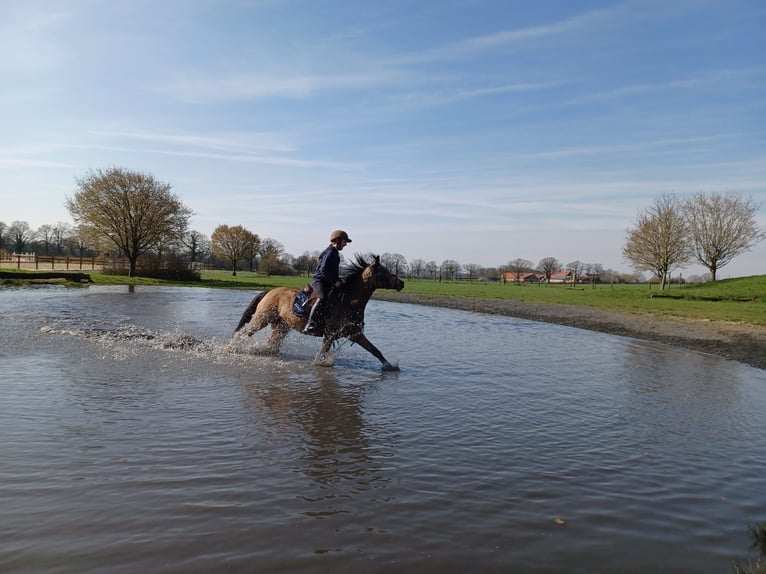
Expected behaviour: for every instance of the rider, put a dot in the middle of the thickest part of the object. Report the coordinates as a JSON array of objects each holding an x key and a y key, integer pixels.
[{"x": 325, "y": 277}]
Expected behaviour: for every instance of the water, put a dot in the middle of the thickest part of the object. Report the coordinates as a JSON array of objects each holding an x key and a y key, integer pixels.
[{"x": 134, "y": 438}]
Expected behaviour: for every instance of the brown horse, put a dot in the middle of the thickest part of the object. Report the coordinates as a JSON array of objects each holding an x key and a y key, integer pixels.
[{"x": 344, "y": 315}]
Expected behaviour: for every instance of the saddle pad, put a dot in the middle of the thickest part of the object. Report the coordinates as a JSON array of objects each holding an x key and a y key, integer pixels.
[{"x": 298, "y": 304}]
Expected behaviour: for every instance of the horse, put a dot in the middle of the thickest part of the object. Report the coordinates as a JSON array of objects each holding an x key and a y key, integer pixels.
[{"x": 344, "y": 314}]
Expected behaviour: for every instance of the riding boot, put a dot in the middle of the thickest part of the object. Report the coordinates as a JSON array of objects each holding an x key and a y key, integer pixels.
[{"x": 313, "y": 327}]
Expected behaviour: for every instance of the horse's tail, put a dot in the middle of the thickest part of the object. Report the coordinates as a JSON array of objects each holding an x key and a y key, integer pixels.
[{"x": 250, "y": 311}]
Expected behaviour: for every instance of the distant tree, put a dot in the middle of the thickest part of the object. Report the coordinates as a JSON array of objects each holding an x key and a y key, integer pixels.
[
  {"x": 232, "y": 244},
  {"x": 61, "y": 233},
  {"x": 417, "y": 267},
  {"x": 20, "y": 234},
  {"x": 271, "y": 251},
  {"x": 448, "y": 269},
  {"x": 518, "y": 267},
  {"x": 491, "y": 272},
  {"x": 611, "y": 276},
  {"x": 78, "y": 242},
  {"x": 306, "y": 263},
  {"x": 722, "y": 226},
  {"x": 45, "y": 237},
  {"x": 659, "y": 240},
  {"x": 132, "y": 210},
  {"x": 431, "y": 269},
  {"x": 547, "y": 266},
  {"x": 394, "y": 262},
  {"x": 252, "y": 251},
  {"x": 593, "y": 271},
  {"x": 3, "y": 229},
  {"x": 473, "y": 270},
  {"x": 577, "y": 268},
  {"x": 197, "y": 243},
  {"x": 287, "y": 262}
]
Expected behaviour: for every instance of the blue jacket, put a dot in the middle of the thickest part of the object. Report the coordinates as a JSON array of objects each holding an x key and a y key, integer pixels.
[{"x": 328, "y": 268}]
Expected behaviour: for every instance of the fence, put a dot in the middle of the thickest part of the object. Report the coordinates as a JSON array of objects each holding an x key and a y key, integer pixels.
[{"x": 30, "y": 260}]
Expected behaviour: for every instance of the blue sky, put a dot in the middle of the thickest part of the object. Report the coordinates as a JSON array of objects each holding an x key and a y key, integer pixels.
[{"x": 479, "y": 131}]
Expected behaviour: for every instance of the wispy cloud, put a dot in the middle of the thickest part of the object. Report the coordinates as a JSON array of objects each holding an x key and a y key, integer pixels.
[
  {"x": 226, "y": 141},
  {"x": 201, "y": 88},
  {"x": 242, "y": 147},
  {"x": 721, "y": 78},
  {"x": 519, "y": 38}
]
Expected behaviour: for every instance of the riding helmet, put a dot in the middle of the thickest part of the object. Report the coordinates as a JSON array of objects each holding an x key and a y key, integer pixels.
[{"x": 339, "y": 234}]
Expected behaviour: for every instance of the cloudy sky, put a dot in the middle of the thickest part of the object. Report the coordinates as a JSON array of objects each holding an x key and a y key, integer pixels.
[{"x": 475, "y": 130}]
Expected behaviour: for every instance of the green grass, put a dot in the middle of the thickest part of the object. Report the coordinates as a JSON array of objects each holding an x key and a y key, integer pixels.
[{"x": 741, "y": 300}]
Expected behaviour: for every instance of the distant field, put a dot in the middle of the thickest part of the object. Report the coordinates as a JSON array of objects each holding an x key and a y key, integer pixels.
[{"x": 740, "y": 300}]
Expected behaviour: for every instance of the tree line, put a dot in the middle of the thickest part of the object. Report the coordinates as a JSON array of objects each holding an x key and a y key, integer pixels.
[
  {"x": 131, "y": 214},
  {"x": 707, "y": 228}
]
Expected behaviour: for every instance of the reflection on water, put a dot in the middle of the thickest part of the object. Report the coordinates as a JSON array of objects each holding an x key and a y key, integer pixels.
[
  {"x": 326, "y": 417},
  {"x": 135, "y": 438}
]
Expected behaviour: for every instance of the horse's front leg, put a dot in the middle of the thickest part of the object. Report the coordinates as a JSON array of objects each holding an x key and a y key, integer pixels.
[
  {"x": 365, "y": 343},
  {"x": 324, "y": 358}
]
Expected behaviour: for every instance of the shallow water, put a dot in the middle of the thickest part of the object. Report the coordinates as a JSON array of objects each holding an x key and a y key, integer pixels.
[{"x": 135, "y": 438}]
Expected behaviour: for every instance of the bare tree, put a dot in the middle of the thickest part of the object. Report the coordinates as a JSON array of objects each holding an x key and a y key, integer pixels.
[
  {"x": 519, "y": 266},
  {"x": 45, "y": 236},
  {"x": 197, "y": 243},
  {"x": 417, "y": 267},
  {"x": 20, "y": 234},
  {"x": 61, "y": 233},
  {"x": 722, "y": 226},
  {"x": 271, "y": 251},
  {"x": 596, "y": 270},
  {"x": 306, "y": 263},
  {"x": 78, "y": 243},
  {"x": 593, "y": 271},
  {"x": 577, "y": 268},
  {"x": 448, "y": 269},
  {"x": 396, "y": 263},
  {"x": 253, "y": 250},
  {"x": 473, "y": 270},
  {"x": 547, "y": 266},
  {"x": 431, "y": 269},
  {"x": 3, "y": 228},
  {"x": 232, "y": 244},
  {"x": 659, "y": 240},
  {"x": 132, "y": 210}
]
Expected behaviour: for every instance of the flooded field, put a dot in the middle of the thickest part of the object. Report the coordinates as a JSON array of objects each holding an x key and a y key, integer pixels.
[{"x": 136, "y": 438}]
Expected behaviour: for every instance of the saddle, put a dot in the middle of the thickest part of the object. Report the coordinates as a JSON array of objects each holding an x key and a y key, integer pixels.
[{"x": 304, "y": 301}]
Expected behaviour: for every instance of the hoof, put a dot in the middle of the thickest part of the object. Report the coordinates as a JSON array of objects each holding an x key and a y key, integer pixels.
[
  {"x": 324, "y": 360},
  {"x": 388, "y": 367}
]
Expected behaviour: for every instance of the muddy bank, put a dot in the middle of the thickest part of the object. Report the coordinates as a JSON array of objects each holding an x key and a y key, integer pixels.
[{"x": 744, "y": 343}]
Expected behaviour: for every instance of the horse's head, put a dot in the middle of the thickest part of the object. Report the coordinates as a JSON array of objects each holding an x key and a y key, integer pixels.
[{"x": 376, "y": 276}]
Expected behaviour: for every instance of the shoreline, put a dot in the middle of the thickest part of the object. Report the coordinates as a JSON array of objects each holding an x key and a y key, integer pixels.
[{"x": 735, "y": 341}]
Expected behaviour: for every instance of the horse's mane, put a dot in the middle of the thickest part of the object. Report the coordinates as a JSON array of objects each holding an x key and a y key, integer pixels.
[{"x": 353, "y": 269}]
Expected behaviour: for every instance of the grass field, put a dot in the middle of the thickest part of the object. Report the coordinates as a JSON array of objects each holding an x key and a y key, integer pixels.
[{"x": 741, "y": 300}]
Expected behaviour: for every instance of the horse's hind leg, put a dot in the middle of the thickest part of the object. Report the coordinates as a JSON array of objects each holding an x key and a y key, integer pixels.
[
  {"x": 278, "y": 333},
  {"x": 257, "y": 323}
]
